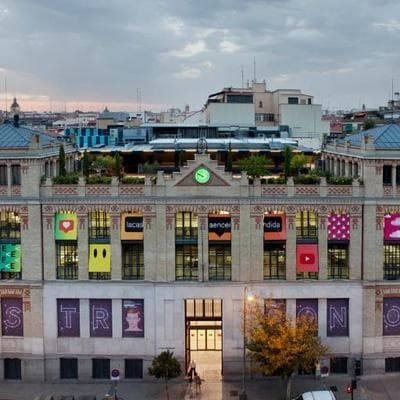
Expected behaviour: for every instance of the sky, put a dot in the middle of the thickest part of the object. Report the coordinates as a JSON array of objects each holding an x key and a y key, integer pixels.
[{"x": 86, "y": 54}]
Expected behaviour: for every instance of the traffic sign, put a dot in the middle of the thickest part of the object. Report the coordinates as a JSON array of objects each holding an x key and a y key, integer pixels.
[{"x": 115, "y": 374}]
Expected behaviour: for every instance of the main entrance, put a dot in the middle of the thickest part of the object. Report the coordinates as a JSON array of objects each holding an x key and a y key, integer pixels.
[{"x": 203, "y": 321}]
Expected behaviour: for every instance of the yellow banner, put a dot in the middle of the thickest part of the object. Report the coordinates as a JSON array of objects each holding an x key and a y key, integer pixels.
[{"x": 99, "y": 258}]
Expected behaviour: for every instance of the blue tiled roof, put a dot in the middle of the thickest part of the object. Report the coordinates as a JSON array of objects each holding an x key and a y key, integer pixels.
[
  {"x": 384, "y": 137},
  {"x": 21, "y": 136}
]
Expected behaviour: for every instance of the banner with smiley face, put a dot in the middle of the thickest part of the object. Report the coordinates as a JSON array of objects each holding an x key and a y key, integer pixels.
[
  {"x": 66, "y": 226},
  {"x": 99, "y": 258}
]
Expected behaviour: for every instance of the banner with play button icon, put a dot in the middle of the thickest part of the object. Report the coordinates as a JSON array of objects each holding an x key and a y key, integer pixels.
[{"x": 307, "y": 257}]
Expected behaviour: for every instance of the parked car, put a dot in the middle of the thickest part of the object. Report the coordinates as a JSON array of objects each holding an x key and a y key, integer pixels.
[{"x": 316, "y": 395}]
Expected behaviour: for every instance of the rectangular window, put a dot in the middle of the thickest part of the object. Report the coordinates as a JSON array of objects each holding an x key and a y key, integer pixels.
[
  {"x": 186, "y": 262},
  {"x": 392, "y": 364},
  {"x": 68, "y": 368},
  {"x": 306, "y": 225},
  {"x": 339, "y": 365},
  {"x": 398, "y": 175},
  {"x": 133, "y": 261},
  {"x": 387, "y": 175},
  {"x": 274, "y": 260},
  {"x": 67, "y": 259},
  {"x": 219, "y": 261},
  {"x": 391, "y": 261},
  {"x": 186, "y": 227},
  {"x": 15, "y": 175},
  {"x": 293, "y": 100},
  {"x": 101, "y": 368},
  {"x": 10, "y": 226},
  {"x": 133, "y": 368},
  {"x": 10, "y": 259},
  {"x": 338, "y": 261},
  {"x": 3, "y": 175},
  {"x": 12, "y": 368},
  {"x": 99, "y": 227},
  {"x": 259, "y": 117}
]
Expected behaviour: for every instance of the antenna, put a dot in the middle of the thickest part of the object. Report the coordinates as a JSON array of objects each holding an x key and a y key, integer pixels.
[
  {"x": 254, "y": 70},
  {"x": 139, "y": 99},
  {"x": 5, "y": 91},
  {"x": 392, "y": 102},
  {"x": 241, "y": 70}
]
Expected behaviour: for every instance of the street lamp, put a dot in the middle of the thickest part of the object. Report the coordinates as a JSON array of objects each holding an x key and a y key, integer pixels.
[{"x": 246, "y": 298}]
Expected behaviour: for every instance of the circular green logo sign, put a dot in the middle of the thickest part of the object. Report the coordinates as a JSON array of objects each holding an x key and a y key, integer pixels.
[{"x": 202, "y": 175}]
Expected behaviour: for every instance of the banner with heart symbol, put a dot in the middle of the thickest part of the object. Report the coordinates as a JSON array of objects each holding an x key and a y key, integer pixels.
[{"x": 66, "y": 226}]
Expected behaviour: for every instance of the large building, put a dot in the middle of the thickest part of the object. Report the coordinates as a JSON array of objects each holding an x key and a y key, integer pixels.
[{"x": 95, "y": 277}]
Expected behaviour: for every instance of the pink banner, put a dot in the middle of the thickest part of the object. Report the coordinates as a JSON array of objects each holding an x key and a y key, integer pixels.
[
  {"x": 392, "y": 227},
  {"x": 339, "y": 227}
]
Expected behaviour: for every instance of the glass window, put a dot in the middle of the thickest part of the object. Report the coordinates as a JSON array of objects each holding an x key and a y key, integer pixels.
[
  {"x": 306, "y": 225},
  {"x": 133, "y": 261},
  {"x": 338, "y": 261},
  {"x": 15, "y": 175},
  {"x": 3, "y": 175},
  {"x": 391, "y": 262},
  {"x": 68, "y": 368},
  {"x": 186, "y": 262},
  {"x": 186, "y": 226},
  {"x": 67, "y": 259},
  {"x": 392, "y": 364},
  {"x": 293, "y": 100},
  {"x": 387, "y": 174},
  {"x": 10, "y": 226},
  {"x": 339, "y": 365},
  {"x": 99, "y": 227},
  {"x": 12, "y": 368},
  {"x": 133, "y": 368},
  {"x": 219, "y": 261},
  {"x": 101, "y": 368},
  {"x": 274, "y": 261}
]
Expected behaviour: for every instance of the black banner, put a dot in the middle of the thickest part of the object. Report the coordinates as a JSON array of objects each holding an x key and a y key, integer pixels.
[
  {"x": 272, "y": 224},
  {"x": 134, "y": 224},
  {"x": 219, "y": 226}
]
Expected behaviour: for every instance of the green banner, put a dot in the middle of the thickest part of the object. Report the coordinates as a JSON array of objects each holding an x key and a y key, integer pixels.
[
  {"x": 10, "y": 257},
  {"x": 66, "y": 228}
]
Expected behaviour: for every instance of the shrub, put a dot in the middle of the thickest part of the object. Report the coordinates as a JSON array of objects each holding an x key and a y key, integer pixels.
[
  {"x": 340, "y": 180},
  {"x": 69, "y": 179},
  {"x": 98, "y": 179},
  {"x": 132, "y": 180},
  {"x": 307, "y": 179},
  {"x": 276, "y": 181}
]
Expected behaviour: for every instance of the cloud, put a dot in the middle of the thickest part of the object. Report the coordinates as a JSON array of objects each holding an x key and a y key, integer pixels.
[
  {"x": 389, "y": 26},
  {"x": 190, "y": 50},
  {"x": 227, "y": 46},
  {"x": 174, "y": 25},
  {"x": 188, "y": 73}
]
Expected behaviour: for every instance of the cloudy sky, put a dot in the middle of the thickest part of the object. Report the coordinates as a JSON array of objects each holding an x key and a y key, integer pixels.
[{"x": 92, "y": 53}]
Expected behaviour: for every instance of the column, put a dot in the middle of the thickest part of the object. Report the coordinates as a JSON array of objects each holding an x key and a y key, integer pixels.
[
  {"x": 323, "y": 244},
  {"x": 116, "y": 252},
  {"x": 355, "y": 256},
  {"x": 202, "y": 246},
  {"x": 256, "y": 246},
  {"x": 235, "y": 247},
  {"x": 291, "y": 245},
  {"x": 245, "y": 230},
  {"x": 83, "y": 247},
  {"x": 149, "y": 246},
  {"x": 49, "y": 245},
  {"x": 170, "y": 243},
  {"x": 373, "y": 243},
  {"x": 322, "y": 318},
  {"x": 394, "y": 178},
  {"x": 160, "y": 244},
  {"x": 346, "y": 168},
  {"x": 9, "y": 179}
]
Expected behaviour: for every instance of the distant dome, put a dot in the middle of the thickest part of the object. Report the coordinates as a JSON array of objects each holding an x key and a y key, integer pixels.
[{"x": 15, "y": 108}]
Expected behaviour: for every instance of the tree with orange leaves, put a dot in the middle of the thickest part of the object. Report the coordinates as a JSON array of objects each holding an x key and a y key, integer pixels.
[{"x": 280, "y": 346}]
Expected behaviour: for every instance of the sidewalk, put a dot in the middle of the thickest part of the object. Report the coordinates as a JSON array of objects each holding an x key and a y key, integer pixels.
[{"x": 383, "y": 387}]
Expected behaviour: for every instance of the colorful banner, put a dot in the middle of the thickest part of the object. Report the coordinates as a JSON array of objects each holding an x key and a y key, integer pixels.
[
  {"x": 275, "y": 227},
  {"x": 10, "y": 257},
  {"x": 337, "y": 317},
  {"x": 131, "y": 227},
  {"x": 12, "y": 317},
  {"x": 307, "y": 257},
  {"x": 391, "y": 229},
  {"x": 307, "y": 308},
  {"x": 391, "y": 316},
  {"x": 66, "y": 226},
  {"x": 100, "y": 318},
  {"x": 133, "y": 318},
  {"x": 68, "y": 315},
  {"x": 275, "y": 306},
  {"x": 219, "y": 227},
  {"x": 339, "y": 227},
  {"x": 99, "y": 258}
]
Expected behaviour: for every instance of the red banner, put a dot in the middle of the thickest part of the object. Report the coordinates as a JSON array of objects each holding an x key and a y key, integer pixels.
[{"x": 307, "y": 257}]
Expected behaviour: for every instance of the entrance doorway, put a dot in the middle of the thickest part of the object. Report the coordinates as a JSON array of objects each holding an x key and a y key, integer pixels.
[{"x": 203, "y": 321}]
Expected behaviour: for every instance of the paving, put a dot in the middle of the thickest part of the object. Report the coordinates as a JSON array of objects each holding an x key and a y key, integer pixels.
[{"x": 377, "y": 387}]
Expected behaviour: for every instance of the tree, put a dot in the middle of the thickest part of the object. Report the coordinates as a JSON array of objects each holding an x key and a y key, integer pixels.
[
  {"x": 278, "y": 346},
  {"x": 254, "y": 165},
  {"x": 287, "y": 156},
  {"x": 118, "y": 165},
  {"x": 150, "y": 168},
  {"x": 298, "y": 162},
  {"x": 229, "y": 158},
  {"x": 104, "y": 165},
  {"x": 165, "y": 366},
  {"x": 369, "y": 123},
  {"x": 86, "y": 164},
  {"x": 61, "y": 161}
]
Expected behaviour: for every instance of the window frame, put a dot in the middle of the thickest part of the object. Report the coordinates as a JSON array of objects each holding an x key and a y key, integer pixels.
[
  {"x": 101, "y": 371},
  {"x": 272, "y": 252},
  {"x": 70, "y": 271},
  {"x": 71, "y": 369},
  {"x": 341, "y": 268},
  {"x": 132, "y": 262},
  {"x": 187, "y": 271},
  {"x": 220, "y": 271},
  {"x": 306, "y": 225}
]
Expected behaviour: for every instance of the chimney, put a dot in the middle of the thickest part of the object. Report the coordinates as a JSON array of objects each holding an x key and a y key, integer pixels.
[{"x": 16, "y": 120}]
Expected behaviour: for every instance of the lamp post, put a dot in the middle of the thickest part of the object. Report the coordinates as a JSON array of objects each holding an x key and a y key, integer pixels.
[{"x": 246, "y": 298}]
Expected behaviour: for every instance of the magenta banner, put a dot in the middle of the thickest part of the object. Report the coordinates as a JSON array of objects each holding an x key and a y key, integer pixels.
[
  {"x": 391, "y": 316},
  {"x": 275, "y": 306},
  {"x": 391, "y": 229},
  {"x": 133, "y": 318},
  {"x": 12, "y": 317},
  {"x": 307, "y": 308},
  {"x": 339, "y": 226},
  {"x": 337, "y": 317},
  {"x": 68, "y": 314},
  {"x": 100, "y": 318}
]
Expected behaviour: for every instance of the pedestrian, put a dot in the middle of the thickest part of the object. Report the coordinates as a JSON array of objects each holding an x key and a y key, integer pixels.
[
  {"x": 191, "y": 370},
  {"x": 197, "y": 381}
]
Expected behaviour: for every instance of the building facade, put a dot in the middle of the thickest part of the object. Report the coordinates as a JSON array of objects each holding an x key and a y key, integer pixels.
[{"x": 95, "y": 277}]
